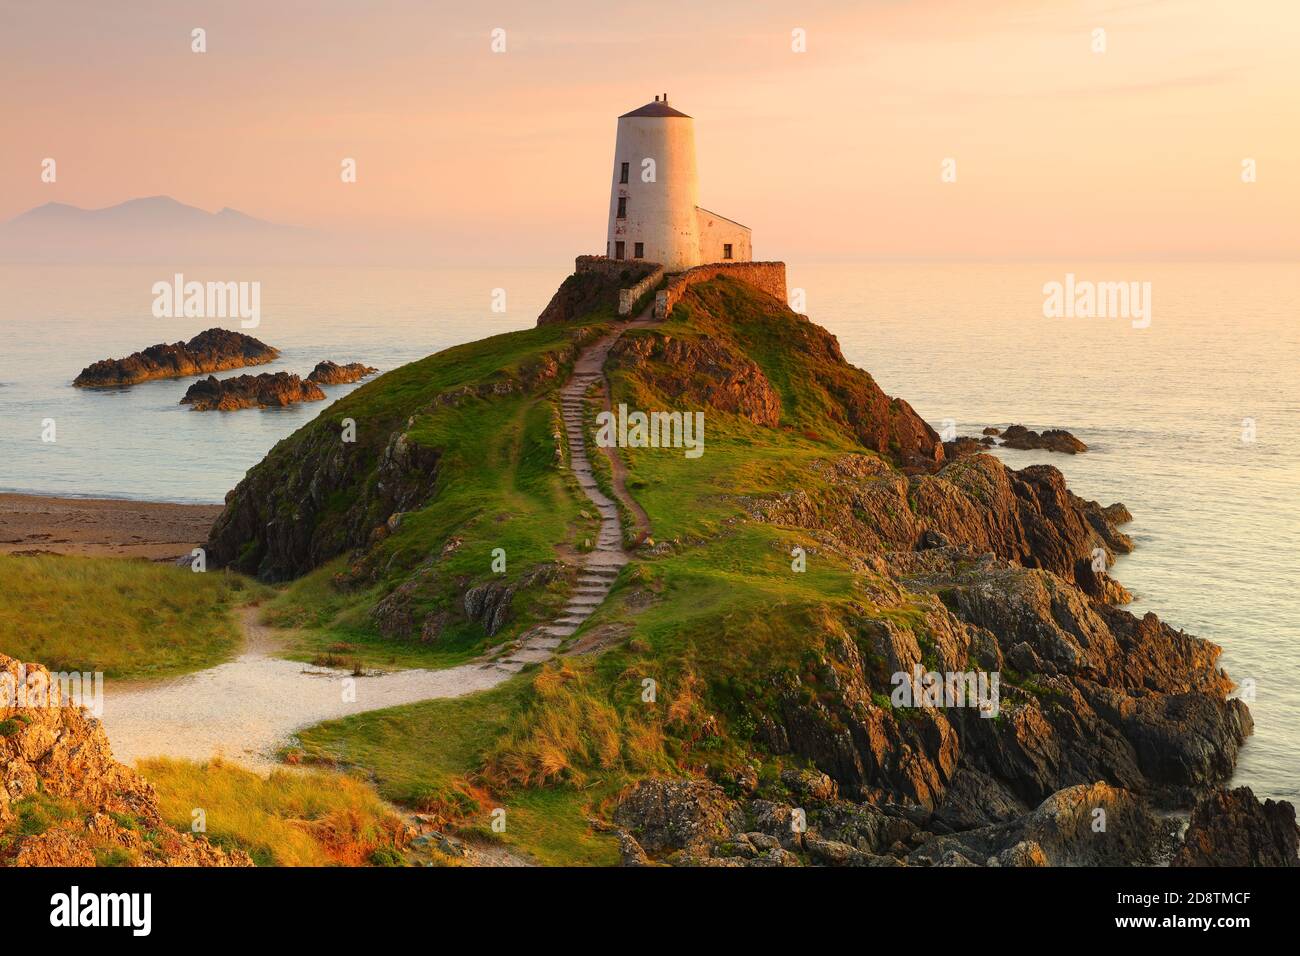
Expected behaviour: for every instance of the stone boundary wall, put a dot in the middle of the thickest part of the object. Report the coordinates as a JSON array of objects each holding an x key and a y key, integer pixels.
[
  {"x": 627, "y": 298},
  {"x": 767, "y": 276},
  {"x": 600, "y": 264}
]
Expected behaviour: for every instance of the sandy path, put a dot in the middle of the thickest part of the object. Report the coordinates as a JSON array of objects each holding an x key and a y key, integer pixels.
[{"x": 247, "y": 709}]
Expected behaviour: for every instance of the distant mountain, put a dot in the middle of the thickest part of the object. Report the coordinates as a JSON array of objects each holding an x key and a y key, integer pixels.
[{"x": 153, "y": 228}]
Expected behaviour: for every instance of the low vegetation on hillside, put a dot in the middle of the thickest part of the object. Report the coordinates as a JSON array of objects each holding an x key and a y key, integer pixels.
[
  {"x": 128, "y": 619},
  {"x": 289, "y": 818}
]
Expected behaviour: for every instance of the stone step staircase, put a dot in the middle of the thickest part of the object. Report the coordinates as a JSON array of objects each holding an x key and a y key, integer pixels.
[{"x": 600, "y": 567}]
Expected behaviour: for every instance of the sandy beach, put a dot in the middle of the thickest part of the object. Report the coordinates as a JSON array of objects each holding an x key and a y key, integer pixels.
[{"x": 102, "y": 527}]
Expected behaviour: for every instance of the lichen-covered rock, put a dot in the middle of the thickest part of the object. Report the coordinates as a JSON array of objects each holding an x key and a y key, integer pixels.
[
  {"x": 64, "y": 800},
  {"x": 667, "y": 815}
]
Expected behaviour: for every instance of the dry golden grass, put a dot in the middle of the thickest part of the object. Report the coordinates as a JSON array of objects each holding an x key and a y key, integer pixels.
[
  {"x": 291, "y": 818},
  {"x": 571, "y": 728}
]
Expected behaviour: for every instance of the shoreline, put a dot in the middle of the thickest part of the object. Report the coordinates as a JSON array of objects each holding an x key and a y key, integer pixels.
[
  {"x": 102, "y": 527},
  {"x": 109, "y": 497}
]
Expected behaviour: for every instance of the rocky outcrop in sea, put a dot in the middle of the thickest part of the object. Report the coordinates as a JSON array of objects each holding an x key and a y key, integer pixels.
[
  {"x": 331, "y": 373},
  {"x": 212, "y": 351},
  {"x": 267, "y": 390}
]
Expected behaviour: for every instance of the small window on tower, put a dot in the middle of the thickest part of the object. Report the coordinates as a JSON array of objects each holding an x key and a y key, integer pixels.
[
  {"x": 726, "y": 250},
  {"x": 622, "y": 207},
  {"x": 618, "y": 250},
  {"x": 622, "y": 175},
  {"x": 638, "y": 250}
]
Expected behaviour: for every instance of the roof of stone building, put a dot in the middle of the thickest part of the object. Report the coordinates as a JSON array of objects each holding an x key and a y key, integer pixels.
[{"x": 657, "y": 108}]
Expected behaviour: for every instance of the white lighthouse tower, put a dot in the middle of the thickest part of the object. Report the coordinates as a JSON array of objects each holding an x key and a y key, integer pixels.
[{"x": 654, "y": 211}]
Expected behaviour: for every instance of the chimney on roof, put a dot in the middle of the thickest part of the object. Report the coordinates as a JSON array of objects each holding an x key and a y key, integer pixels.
[
  {"x": 656, "y": 97},
  {"x": 665, "y": 97}
]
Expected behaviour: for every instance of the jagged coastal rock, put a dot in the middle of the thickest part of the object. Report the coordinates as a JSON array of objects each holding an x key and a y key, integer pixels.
[
  {"x": 64, "y": 800},
  {"x": 695, "y": 823},
  {"x": 1053, "y": 439},
  {"x": 267, "y": 390},
  {"x": 1233, "y": 828},
  {"x": 1015, "y": 436},
  {"x": 331, "y": 373},
  {"x": 212, "y": 351}
]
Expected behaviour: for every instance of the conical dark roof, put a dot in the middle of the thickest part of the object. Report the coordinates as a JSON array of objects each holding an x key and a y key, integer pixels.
[{"x": 657, "y": 108}]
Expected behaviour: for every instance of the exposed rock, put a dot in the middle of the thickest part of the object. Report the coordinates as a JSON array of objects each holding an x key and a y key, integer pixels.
[
  {"x": 1053, "y": 439},
  {"x": 105, "y": 812},
  {"x": 704, "y": 374},
  {"x": 491, "y": 603},
  {"x": 974, "y": 799},
  {"x": 1233, "y": 828},
  {"x": 267, "y": 390},
  {"x": 330, "y": 373},
  {"x": 809, "y": 784},
  {"x": 1024, "y": 853},
  {"x": 1088, "y": 692},
  {"x": 666, "y": 815},
  {"x": 1027, "y": 516},
  {"x": 593, "y": 290},
  {"x": 717, "y": 366},
  {"x": 1083, "y": 825},
  {"x": 212, "y": 351},
  {"x": 630, "y": 852},
  {"x": 965, "y": 446}
]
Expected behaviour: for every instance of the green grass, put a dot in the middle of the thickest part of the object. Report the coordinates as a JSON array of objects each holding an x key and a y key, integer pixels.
[
  {"x": 128, "y": 619},
  {"x": 498, "y": 486},
  {"x": 426, "y": 756},
  {"x": 551, "y": 827},
  {"x": 418, "y": 754}
]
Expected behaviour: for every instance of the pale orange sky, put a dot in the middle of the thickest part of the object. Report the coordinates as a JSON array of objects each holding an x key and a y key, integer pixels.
[{"x": 832, "y": 153}]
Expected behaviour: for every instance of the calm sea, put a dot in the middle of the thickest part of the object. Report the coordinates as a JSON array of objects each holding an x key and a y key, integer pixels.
[{"x": 1191, "y": 422}]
